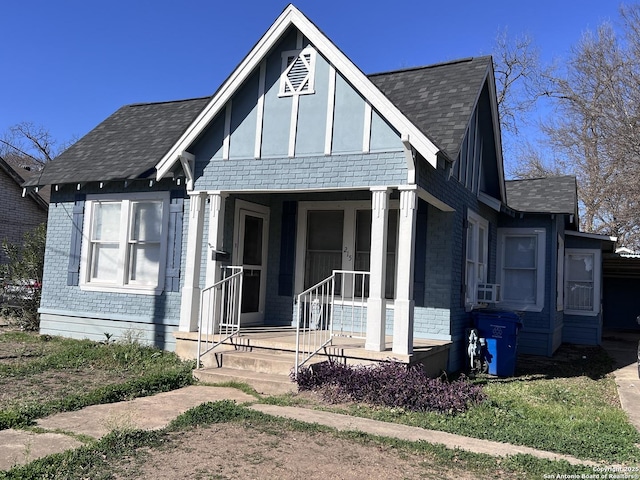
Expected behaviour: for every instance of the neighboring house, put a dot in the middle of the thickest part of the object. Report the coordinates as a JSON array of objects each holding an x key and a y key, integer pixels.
[
  {"x": 18, "y": 214},
  {"x": 297, "y": 166}
]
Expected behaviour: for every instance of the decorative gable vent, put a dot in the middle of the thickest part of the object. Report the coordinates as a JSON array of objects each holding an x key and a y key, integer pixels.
[{"x": 298, "y": 71}]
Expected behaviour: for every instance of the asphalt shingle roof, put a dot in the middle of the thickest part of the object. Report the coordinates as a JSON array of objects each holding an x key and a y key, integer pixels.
[
  {"x": 124, "y": 146},
  {"x": 543, "y": 195},
  {"x": 438, "y": 99}
]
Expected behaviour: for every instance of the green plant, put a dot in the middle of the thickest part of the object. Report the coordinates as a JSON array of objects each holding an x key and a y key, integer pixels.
[
  {"x": 22, "y": 278},
  {"x": 390, "y": 384}
]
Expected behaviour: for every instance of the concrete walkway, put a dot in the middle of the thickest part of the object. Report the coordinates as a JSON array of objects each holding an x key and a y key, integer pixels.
[
  {"x": 69, "y": 430},
  {"x": 623, "y": 348}
]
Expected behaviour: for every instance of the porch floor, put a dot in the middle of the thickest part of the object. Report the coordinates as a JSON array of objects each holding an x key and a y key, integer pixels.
[{"x": 283, "y": 338}]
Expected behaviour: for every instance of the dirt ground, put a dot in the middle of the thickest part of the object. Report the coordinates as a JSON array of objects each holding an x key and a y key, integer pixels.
[{"x": 234, "y": 452}]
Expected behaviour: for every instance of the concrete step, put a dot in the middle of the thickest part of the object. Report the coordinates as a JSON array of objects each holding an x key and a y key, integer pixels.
[
  {"x": 264, "y": 383},
  {"x": 279, "y": 363}
]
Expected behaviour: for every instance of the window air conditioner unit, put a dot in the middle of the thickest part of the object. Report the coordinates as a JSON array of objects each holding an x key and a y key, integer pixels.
[{"x": 488, "y": 293}]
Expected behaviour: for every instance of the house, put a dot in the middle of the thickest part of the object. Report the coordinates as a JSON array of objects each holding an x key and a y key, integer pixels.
[
  {"x": 561, "y": 299},
  {"x": 19, "y": 214},
  {"x": 306, "y": 194}
]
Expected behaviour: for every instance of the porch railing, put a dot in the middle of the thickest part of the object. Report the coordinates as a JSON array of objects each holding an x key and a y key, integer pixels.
[
  {"x": 220, "y": 309},
  {"x": 336, "y": 306}
]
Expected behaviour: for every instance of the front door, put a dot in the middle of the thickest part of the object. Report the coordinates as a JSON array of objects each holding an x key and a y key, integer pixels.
[{"x": 250, "y": 251}]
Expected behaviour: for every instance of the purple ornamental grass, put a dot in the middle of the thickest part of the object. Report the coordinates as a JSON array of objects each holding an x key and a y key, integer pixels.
[{"x": 391, "y": 384}]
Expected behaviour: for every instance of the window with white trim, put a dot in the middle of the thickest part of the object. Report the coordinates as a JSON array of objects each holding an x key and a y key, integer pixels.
[
  {"x": 337, "y": 236},
  {"x": 298, "y": 72},
  {"x": 477, "y": 255},
  {"x": 582, "y": 281},
  {"x": 521, "y": 266},
  {"x": 125, "y": 243}
]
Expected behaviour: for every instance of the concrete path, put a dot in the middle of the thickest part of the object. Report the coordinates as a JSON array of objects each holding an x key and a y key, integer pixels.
[
  {"x": 65, "y": 429},
  {"x": 623, "y": 348}
]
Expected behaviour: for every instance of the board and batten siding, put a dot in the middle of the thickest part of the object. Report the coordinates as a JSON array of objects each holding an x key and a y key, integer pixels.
[{"x": 331, "y": 138}]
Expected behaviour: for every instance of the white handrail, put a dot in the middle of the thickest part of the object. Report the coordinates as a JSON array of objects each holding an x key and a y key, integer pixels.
[
  {"x": 220, "y": 310},
  {"x": 321, "y": 314}
]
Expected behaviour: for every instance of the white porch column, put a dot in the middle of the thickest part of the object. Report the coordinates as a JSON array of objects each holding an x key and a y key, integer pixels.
[
  {"x": 215, "y": 236},
  {"x": 404, "y": 303},
  {"x": 189, "y": 308},
  {"x": 376, "y": 303}
]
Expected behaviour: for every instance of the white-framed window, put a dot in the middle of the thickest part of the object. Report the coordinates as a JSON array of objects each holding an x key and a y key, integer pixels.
[
  {"x": 125, "y": 243},
  {"x": 582, "y": 281},
  {"x": 337, "y": 236},
  {"x": 477, "y": 256},
  {"x": 521, "y": 266},
  {"x": 298, "y": 72}
]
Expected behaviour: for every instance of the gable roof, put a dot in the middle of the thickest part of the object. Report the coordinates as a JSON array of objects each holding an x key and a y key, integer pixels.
[
  {"x": 430, "y": 107},
  {"x": 544, "y": 195},
  {"x": 22, "y": 168},
  {"x": 126, "y": 145},
  {"x": 291, "y": 16},
  {"x": 439, "y": 99}
]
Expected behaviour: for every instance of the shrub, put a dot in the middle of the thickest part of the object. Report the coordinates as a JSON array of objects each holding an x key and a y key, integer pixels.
[
  {"x": 22, "y": 278},
  {"x": 390, "y": 384}
]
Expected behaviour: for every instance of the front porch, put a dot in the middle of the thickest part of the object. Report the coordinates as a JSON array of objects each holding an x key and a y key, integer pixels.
[{"x": 264, "y": 356}]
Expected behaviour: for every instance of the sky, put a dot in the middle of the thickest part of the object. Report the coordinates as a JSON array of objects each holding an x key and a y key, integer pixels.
[{"x": 68, "y": 64}]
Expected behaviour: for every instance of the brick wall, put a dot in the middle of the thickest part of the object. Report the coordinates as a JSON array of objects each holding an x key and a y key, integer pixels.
[{"x": 18, "y": 214}]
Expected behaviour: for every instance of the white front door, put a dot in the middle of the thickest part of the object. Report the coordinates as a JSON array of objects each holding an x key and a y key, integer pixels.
[{"x": 250, "y": 251}]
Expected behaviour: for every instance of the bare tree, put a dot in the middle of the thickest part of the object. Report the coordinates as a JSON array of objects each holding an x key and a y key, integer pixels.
[
  {"x": 520, "y": 79},
  {"x": 595, "y": 129},
  {"x": 26, "y": 139}
]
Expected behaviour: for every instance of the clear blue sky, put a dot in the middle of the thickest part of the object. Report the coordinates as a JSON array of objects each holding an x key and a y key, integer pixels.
[{"x": 67, "y": 65}]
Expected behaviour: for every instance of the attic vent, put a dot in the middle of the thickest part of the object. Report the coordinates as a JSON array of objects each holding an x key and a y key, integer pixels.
[{"x": 298, "y": 68}]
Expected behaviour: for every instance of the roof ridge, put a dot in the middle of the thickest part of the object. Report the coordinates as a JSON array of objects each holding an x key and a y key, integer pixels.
[
  {"x": 143, "y": 104},
  {"x": 433, "y": 65},
  {"x": 540, "y": 178}
]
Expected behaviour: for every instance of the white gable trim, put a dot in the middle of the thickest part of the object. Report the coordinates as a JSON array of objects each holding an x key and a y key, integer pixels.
[{"x": 292, "y": 16}]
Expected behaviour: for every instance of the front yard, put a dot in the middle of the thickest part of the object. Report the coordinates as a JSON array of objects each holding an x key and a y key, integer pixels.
[{"x": 566, "y": 404}]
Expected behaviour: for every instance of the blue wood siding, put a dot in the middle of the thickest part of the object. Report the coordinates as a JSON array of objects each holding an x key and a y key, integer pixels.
[
  {"x": 312, "y": 113},
  {"x": 348, "y": 123},
  {"x": 243, "y": 120}
]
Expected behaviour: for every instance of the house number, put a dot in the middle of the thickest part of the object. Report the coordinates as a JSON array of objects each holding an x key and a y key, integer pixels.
[{"x": 347, "y": 254}]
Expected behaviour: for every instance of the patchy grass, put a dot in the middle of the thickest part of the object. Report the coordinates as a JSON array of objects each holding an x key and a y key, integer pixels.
[
  {"x": 126, "y": 453},
  {"x": 567, "y": 404},
  {"x": 41, "y": 375}
]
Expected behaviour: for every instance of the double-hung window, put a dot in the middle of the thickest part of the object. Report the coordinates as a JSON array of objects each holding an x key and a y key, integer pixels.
[
  {"x": 521, "y": 266},
  {"x": 582, "y": 282},
  {"x": 125, "y": 243},
  {"x": 477, "y": 254}
]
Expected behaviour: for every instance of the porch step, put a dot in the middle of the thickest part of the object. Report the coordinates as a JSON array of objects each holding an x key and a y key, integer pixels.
[
  {"x": 279, "y": 363},
  {"x": 264, "y": 383}
]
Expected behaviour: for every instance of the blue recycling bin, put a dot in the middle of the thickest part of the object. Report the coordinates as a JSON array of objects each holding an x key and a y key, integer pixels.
[{"x": 500, "y": 329}]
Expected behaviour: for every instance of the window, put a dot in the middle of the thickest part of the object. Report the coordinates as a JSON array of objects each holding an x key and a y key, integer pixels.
[
  {"x": 521, "y": 266},
  {"x": 298, "y": 71},
  {"x": 337, "y": 236},
  {"x": 477, "y": 254},
  {"x": 582, "y": 282},
  {"x": 125, "y": 245}
]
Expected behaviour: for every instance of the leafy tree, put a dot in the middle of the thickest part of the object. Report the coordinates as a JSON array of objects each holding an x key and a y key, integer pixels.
[{"x": 22, "y": 278}]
